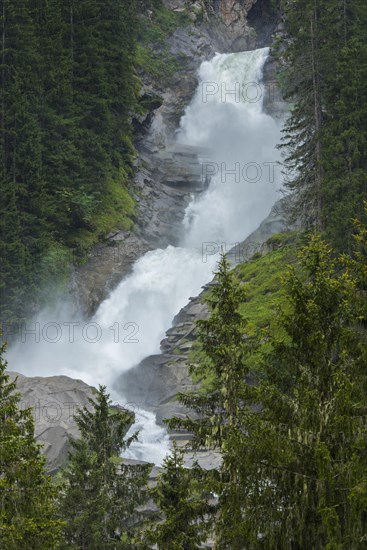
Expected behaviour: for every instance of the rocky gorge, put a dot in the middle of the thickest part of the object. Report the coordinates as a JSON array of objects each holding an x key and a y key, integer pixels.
[{"x": 168, "y": 175}]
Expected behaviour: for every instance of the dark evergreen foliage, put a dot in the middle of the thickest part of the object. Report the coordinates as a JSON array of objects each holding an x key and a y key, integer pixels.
[
  {"x": 324, "y": 75},
  {"x": 28, "y": 518},
  {"x": 219, "y": 408},
  {"x": 180, "y": 496},
  {"x": 67, "y": 90},
  {"x": 292, "y": 439},
  {"x": 102, "y": 494}
]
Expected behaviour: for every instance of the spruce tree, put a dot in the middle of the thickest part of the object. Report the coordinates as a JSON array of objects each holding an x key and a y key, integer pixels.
[
  {"x": 222, "y": 340},
  {"x": 345, "y": 134},
  {"x": 302, "y": 144},
  {"x": 28, "y": 518},
  {"x": 102, "y": 493},
  {"x": 218, "y": 410},
  {"x": 302, "y": 452},
  {"x": 21, "y": 179},
  {"x": 180, "y": 497},
  {"x": 67, "y": 91},
  {"x": 323, "y": 74},
  {"x": 293, "y": 444}
]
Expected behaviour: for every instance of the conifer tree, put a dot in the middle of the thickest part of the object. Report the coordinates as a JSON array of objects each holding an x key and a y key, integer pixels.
[
  {"x": 222, "y": 340},
  {"x": 218, "y": 410},
  {"x": 21, "y": 180},
  {"x": 102, "y": 493},
  {"x": 345, "y": 134},
  {"x": 293, "y": 444},
  {"x": 67, "y": 91},
  {"x": 324, "y": 75},
  {"x": 302, "y": 452},
  {"x": 28, "y": 518},
  {"x": 302, "y": 142},
  {"x": 179, "y": 495}
]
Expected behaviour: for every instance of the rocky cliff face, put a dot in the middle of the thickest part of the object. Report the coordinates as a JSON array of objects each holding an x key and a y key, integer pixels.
[
  {"x": 155, "y": 383},
  {"x": 53, "y": 401},
  {"x": 234, "y": 15},
  {"x": 231, "y": 8},
  {"x": 166, "y": 177}
]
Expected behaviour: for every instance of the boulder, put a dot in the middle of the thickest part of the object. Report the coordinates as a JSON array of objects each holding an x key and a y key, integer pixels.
[{"x": 54, "y": 401}]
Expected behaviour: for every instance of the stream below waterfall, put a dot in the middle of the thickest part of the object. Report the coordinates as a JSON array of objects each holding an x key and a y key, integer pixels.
[{"x": 226, "y": 118}]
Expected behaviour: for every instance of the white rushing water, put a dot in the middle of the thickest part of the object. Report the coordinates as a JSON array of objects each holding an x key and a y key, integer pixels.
[{"x": 130, "y": 324}]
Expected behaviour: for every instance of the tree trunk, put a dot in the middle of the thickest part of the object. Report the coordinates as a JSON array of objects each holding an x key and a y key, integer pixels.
[
  {"x": 318, "y": 119},
  {"x": 3, "y": 58},
  {"x": 72, "y": 37}
]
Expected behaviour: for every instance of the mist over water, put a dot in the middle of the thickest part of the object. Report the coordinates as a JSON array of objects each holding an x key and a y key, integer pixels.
[
  {"x": 130, "y": 324},
  {"x": 226, "y": 117}
]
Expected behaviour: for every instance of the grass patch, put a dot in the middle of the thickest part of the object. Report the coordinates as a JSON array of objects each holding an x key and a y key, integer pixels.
[
  {"x": 161, "y": 25},
  {"x": 115, "y": 211},
  {"x": 157, "y": 64},
  {"x": 55, "y": 264},
  {"x": 53, "y": 268},
  {"x": 262, "y": 281},
  {"x": 261, "y": 277},
  {"x": 206, "y": 378}
]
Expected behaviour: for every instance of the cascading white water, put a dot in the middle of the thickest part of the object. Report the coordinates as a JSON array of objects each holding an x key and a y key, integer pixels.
[
  {"x": 226, "y": 116},
  {"x": 130, "y": 324}
]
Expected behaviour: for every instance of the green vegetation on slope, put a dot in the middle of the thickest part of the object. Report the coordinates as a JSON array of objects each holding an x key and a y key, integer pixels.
[
  {"x": 152, "y": 56},
  {"x": 261, "y": 280},
  {"x": 324, "y": 76},
  {"x": 292, "y": 441},
  {"x": 68, "y": 89}
]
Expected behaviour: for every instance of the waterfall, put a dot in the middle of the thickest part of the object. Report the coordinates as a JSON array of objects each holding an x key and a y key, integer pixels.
[{"x": 225, "y": 118}]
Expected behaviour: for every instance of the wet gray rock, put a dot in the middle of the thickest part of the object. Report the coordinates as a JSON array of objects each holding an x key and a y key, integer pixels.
[
  {"x": 234, "y": 15},
  {"x": 156, "y": 381},
  {"x": 165, "y": 178},
  {"x": 107, "y": 264},
  {"x": 54, "y": 401}
]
